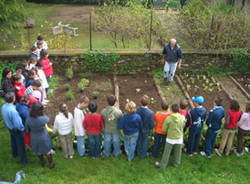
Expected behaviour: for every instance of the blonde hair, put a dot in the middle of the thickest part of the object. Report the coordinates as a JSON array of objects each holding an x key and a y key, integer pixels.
[{"x": 130, "y": 107}]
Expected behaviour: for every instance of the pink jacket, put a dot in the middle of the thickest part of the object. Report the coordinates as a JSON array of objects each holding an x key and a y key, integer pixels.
[
  {"x": 244, "y": 122},
  {"x": 47, "y": 67}
]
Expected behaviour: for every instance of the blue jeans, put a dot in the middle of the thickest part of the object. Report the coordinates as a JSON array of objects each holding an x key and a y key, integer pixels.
[
  {"x": 95, "y": 142},
  {"x": 18, "y": 145},
  {"x": 48, "y": 80},
  {"x": 210, "y": 141},
  {"x": 108, "y": 137},
  {"x": 169, "y": 70},
  {"x": 193, "y": 140},
  {"x": 158, "y": 140},
  {"x": 130, "y": 145},
  {"x": 143, "y": 143},
  {"x": 80, "y": 145}
]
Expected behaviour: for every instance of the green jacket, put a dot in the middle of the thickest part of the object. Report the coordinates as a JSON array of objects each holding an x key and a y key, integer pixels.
[
  {"x": 174, "y": 125},
  {"x": 111, "y": 115}
]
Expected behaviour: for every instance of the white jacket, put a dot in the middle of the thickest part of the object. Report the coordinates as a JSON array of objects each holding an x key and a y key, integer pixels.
[
  {"x": 62, "y": 124},
  {"x": 78, "y": 122},
  {"x": 43, "y": 79}
]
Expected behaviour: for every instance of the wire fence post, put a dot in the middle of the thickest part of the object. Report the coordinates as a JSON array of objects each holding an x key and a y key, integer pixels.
[
  {"x": 90, "y": 31},
  {"x": 150, "y": 34}
]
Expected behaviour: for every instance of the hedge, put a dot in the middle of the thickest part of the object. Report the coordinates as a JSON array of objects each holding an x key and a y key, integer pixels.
[{"x": 92, "y": 2}]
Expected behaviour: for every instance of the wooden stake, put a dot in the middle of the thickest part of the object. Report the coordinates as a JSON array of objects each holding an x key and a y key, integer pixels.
[{"x": 116, "y": 91}]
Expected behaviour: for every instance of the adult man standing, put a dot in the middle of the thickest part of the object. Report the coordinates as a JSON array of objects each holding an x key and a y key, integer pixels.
[
  {"x": 14, "y": 123},
  {"x": 172, "y": 55}
]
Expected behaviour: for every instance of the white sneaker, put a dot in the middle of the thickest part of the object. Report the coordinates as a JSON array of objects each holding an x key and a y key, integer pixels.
[
  {"x": 195, "y": 153},
  {"x": 46, "y": 101},
  {"x": 217, "y": 152},
  {"x": 247, "y": 150},
  {"x": 238, "y": 154},
  {"x": 71, "y": 157},
  {"x": 204, "y": 154}
]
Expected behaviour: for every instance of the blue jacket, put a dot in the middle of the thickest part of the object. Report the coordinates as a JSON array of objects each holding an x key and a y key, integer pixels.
[
  {"x": 147, "y": 117},
  {"x": 215, "y": 117},
  {"x": 29, "y": 82},
  {"x": 24, "y": 111},
  {"x": 130, "y": 123},
  {"x": 198, "y": 116},
  {"x": 11, "y": 117}
]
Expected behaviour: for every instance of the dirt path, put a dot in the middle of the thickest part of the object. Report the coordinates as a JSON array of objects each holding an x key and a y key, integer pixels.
[{"x": 233, "y": 90}]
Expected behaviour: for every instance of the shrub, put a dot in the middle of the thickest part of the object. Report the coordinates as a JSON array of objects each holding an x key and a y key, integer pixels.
[
  {"x": 240, "y": 60},
  {"x": 83, "y": 84},
  {"x": 66, "y": 86},
  {"x": 100, "y": 62},
  {"x": 85, "y": 75},
  {"x": 96, "y": 94},
  {"x": 70, "y": 95},
  {"x": 173, "y": 4},
  {"x": 69, "y": 72}
]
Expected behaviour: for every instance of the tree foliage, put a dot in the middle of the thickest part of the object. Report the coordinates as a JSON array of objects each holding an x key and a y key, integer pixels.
[
  {"x": 217, "y": 26},
  {"x": 11, "y": 14}
]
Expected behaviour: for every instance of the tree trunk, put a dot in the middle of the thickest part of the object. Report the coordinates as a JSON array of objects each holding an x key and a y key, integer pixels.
[{"x": 243, "y": 4}]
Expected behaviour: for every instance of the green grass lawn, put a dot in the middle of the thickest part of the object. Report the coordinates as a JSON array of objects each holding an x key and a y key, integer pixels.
[{"x": 118, "y": 170}]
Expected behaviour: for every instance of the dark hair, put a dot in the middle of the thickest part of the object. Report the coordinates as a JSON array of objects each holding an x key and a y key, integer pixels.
[
  {"x": 92, "y": 107},
  {"x": 64, "y": 109},
  {"x": 218, "y": 101},
  {"x": 9, "y": 97},
  {"x": 33, "y": 48},
  {"x": 111, "y": 100},
  {"x": 164, "y": 105},
  {"x": 16, "y": 77},
  {"x": 32, "y": 59},
  {"x": 248, "y": 106},
  {"x": 40, "y": 38},
  {"x": 36, "y": 109},
  {"x": 175, "y": 108},
  {"x": 183, "y": 104},
  {"x": 39, "y": 65},
  {"x": 36, "y": 83},
  {"x": 145, "y": 100},
  {"x": 24, "y": 64},
  {"x": 234, "y": 105},
  {"x": 25, "y": 98},
  {"x": 43, "y": 53},
  {"x": 19, "y": 67},
  {"x": 5, "y": 72},
  {"x": 30, "y": 73},
  {"x": 84, "y": 99}
]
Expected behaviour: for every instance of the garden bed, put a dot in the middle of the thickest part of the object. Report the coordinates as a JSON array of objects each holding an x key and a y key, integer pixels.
[
  {"x": 133, "y": 87},
  {"x": 243, "y": 80},
  {"x": 204, "y": 85},
  {"x": 101, "y": 83}
]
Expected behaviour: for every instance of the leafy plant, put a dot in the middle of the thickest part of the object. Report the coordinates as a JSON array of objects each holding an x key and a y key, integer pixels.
[
  {"x": 66, "y": 86},
  {"x": 70, "y": 95},
  {"x": 138, "y": 90},
  {"x": 83, "y": 84},
  {"x": 85, "y": 75},
  {"x": 188, "y": 87},
  {"x": 153, "y": 101},
  {"x": 95, "y": 94},
  {"x": 173, "y": 4},
  {"x": 69, "y": 72}
]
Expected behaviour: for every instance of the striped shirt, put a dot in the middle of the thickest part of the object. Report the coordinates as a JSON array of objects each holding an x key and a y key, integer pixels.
[{"x": 29, "y": 91}]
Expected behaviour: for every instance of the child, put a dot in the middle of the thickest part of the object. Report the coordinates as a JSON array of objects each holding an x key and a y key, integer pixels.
[
  {"x": 34, "y": 53},
  {"x": 19, "y": 71},
  {"x": 36, "y": 84},
  {"x": 213, "y": 122},
  {"x": 173, "y": 125},
  {"x": 243, "y": 130},
  {"x": 111, "y": 115},
  {"x": 17, "y": 82},
  {"x": 40, "y": 44},
  {"x": 33, "y": 62},
  {"x": 6, "y": 82},
  {"x": 78, "y": 126},
  {"x": 47, "y": 65},
  {"x": 63, "y": 124},
  {"x": 93, "y": 124},
  {"x": 44, "y": 82},
  {"x": 147, "y": 117},
  {"x": 131, "y": 123},
  {"x": 183, "y": 111},
  {"x": 232, "y": 117},
  {"x": 25, "y": 70},
  {"x": 198, "y": 115},
  {"x": 160, "y": 136},
  {"x": 30, "y": 78},
  {"x": 23, "y": 109}
]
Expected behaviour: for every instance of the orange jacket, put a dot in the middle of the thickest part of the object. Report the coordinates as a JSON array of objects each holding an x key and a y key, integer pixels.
[{"x": 159, "y": 120}]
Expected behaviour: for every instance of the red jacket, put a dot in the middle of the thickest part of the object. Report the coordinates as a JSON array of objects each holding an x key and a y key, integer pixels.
[
  {"x": 233, "y": 118},
  {"x": 32, "y": 100},
  {"x": 19, "y": 93},
  {"x": 47, "y": 67},
  {"x": 93, "y": 123}
]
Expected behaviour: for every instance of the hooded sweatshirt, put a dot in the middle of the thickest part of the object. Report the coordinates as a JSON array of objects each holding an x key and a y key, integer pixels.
[
  {"x": 174, "y": 125},
  {"x": 215, "y": 117},
  {"x": 21, "y": 91},
  {"x": 130, "y": 123},
  {"x": 198, "y": 116}
]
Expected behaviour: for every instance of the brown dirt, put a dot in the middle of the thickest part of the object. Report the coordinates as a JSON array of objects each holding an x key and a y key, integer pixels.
[
  {"x": 72, "y": 14},
  {"x": 129, "y": 83},
  {"x": 209, "y": 97},
  {"x": 101, "y": 83},
  {"x": 244, "y": 80}
]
